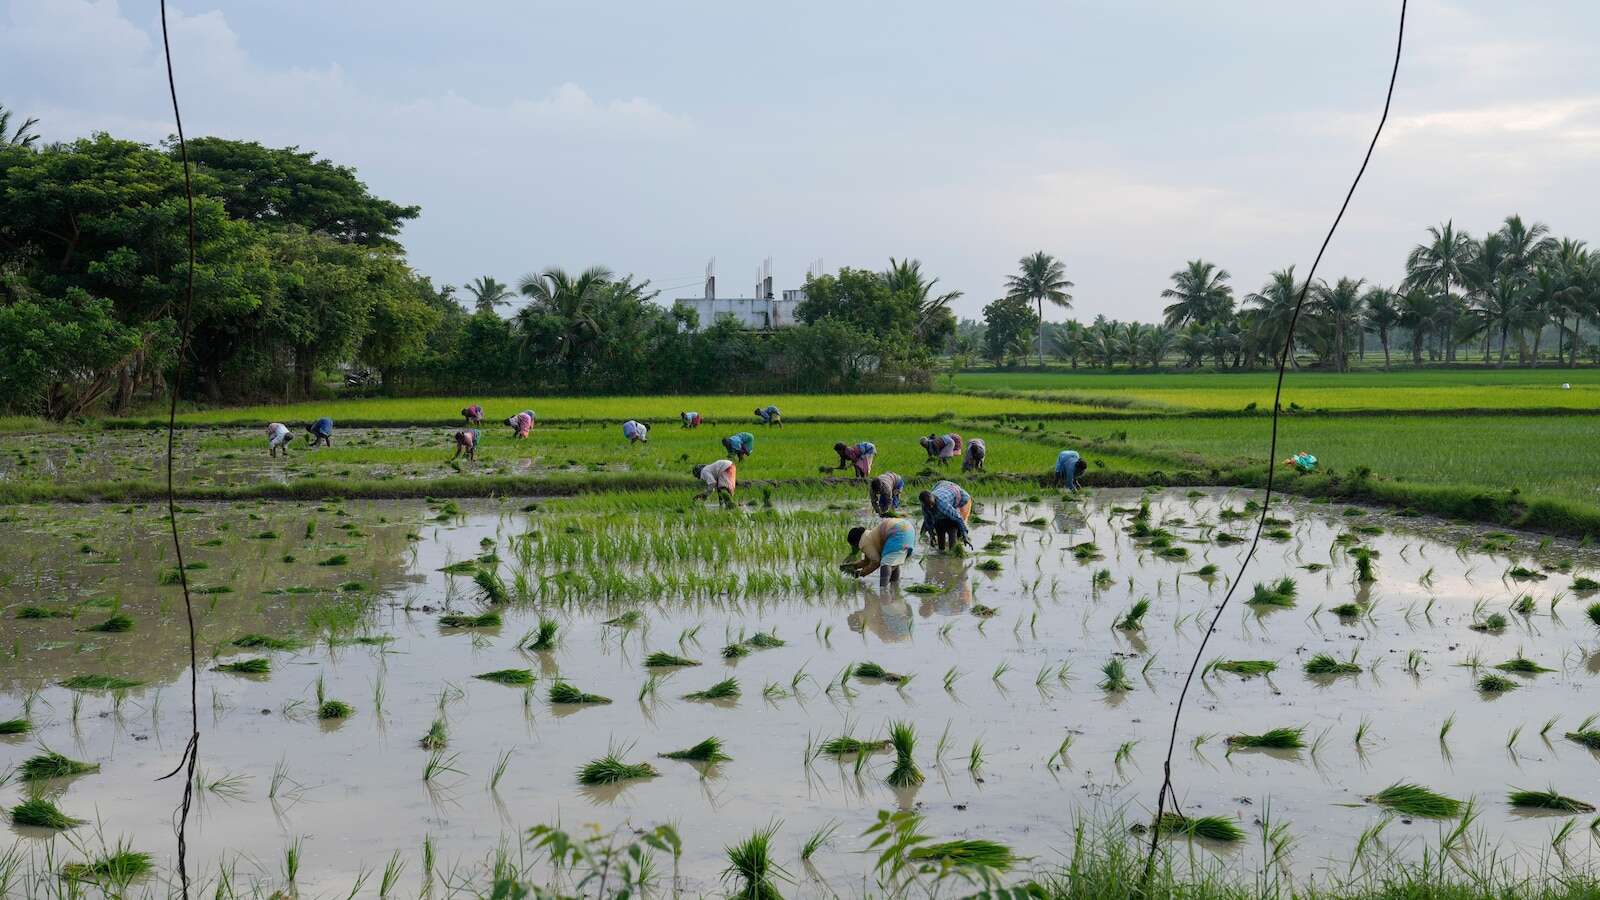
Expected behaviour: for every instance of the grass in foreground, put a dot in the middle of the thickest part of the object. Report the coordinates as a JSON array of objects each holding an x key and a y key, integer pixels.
[
  {"x": 1415, "y": 800},
  {"x": 118, "y": 867}
]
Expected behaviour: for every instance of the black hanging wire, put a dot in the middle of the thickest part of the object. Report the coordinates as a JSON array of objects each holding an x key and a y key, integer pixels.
[
  {"x": 1272, "y": 464},
  {"x": 191, "y": 750}
]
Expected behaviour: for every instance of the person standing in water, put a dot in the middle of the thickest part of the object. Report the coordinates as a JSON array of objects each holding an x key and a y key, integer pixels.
[
  {"x": 945, "y": 511},
  {"x": 278, "y": 438},
  {"x": 884, "y": 548},
  {"x": 740, "y": 445},
  {"x": 721, "y": 478},
  {"x": 467, "y": 443},
  {"x": 320, "y": 432},
  {"x": 636, "y": 432},
  {"x": 521, "y": 424},
  {"x": 474, "y": 415},
  {"x": 1069, "y": 467},
  {"x": 977, "y": 452},
  {"x": 858, "y": 455},
  {"x": 884, "y": 491},
  {"x": 769, "y": 415}
]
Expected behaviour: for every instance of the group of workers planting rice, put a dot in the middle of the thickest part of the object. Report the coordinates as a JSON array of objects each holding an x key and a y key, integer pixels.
[{"x": 883, "y": 548}]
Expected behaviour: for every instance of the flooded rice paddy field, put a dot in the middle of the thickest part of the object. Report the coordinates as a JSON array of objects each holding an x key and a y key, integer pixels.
[{"x": 1001, "y": 652}]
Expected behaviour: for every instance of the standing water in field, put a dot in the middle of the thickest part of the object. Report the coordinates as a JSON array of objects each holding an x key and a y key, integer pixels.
[{"x": 388, "y": 675}]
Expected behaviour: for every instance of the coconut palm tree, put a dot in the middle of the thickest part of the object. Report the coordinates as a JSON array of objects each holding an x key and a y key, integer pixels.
[
  {"x": 1574, "y": 263},
  {"x": 1275, "y": 304},
  {"x": 572, "y": 302},
  {"x": 1525, "y": 245},
  {"x": 933, "y": 310},
  {"x": 1155, "y": 342},
  {"x": 1069, "y": 341},
  {"x": 1338, "y": 313},
  {"x": 1437, "y": 263},
  {"x": 1200, "y": 293},
  {"x": 1193, "y": 345},
  {"x": 1382, "y": 315},
  {"x": 1040, "y": 277},
  {"x": 488, "y": 292},
  {"x": 1489, "y": 265},
  {"x": 21, "y": 136},
  {"x": 1418, "y": 311}
]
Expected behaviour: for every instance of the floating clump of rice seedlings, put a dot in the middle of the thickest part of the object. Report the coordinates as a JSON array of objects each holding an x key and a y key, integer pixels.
[
  {"x": 726, "y": 689},
  {"x": 1492, "y": 623},
  {"x": 461, "y": 567},
  {"x": 437, "y": 737},
  {"x": 989, "y": 612},
  {"x": 334, "y": 710},
  {"x": 1525, "y": 574},
  {"x": 751, "y": 869},
  {"x": 338, "y": 559},
  {"x": 517, "y": 677},
  {"x": 11, "y": 727},
  {"x": 662, "y": 659},
  {"x": 42, "y": 612},
  {"x": 1206, "y": 571},
  {"x": 990, "y": 565},
  {"x": 1275, "y": 739},
  {"x": 1212, "y": 828},
  {"x": 872, "y": 670},
  {"x": 629, "y": 619},
  {"x": 567, "y": 692},
  {"x": 491, "y": 587},
  {"x": 610, "y": 769},
  {"x": 977, "y": 853},
  {"x": 1548, "y": 800},
  {"x": 818, "y": 839},
  {"x": 1102, "y": 579},
  {"x": 264, "y": 642},
  {"x": 765, "y": 640},
  {"x": 40, "y": 812},
  {"x": 258, "y": 665},
  {"x": 1417, "y": 801},
  {"x": 1280, "y": 593},
  {"x": 1524, "y": 605},
  {"x": 707, "y": 751},
  {"x": 1522, "y": 666},
  {"x": 119, "y": 867},
  {"x": 1227, "y": 537},
  {"x": 1314, "y": 567},
  {"x": 846, "y": 745},
  {"x": 905, "y": 772},
  {"x": 1133, "y": 619},
  {"x": 116, "y": 624},
  {"x": 1037, "y": 522},
  {"x": 1347, "y": 611},
  {"x": 489, "y": 619},
  {"x": 99, "y": 683},
  {"x": 1593, "y": 612},
  {"x": 1173, "y": 552},
  {"x": 1085, "y": 551},
  {"x": 50, "y": 765},
  {"x": 1584, "y": 584},
  {"x": 1278, "y": 534},
  {"x": 1495, "y": 684},
  {"x": 544, "y": 637},
  {"x": 1116, "y": 676},
  {"x": 1247, "y": 667},
  {"x": 923, "y": 588},
  {"x": 1325, "y": 664},
  {"x": 736, "y": 650},
  {"x": 1586, "y": 734}
]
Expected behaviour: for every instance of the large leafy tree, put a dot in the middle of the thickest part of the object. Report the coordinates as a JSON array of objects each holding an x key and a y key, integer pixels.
[
  {"x": 862, "y": 299},
  {"x": 1040, "y": 277},
  {"x": 63, "y": 354},
  {"x": 290, "y": 186},
  {"x": 935, "y": 323},
  {"x": 1009, "y": 325},
  {"x": 1199, "y": 293}
]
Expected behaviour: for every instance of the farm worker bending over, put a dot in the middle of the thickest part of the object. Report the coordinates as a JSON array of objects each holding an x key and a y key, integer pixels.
[
  {"x": 769, "y": 415},
  {"x": 636, "y": 432},
  {"x": 690, "y": 419},
  {"x": 945, "y": 511},
  {"x": 859, "y": 455},
  {"x": 278, "y": 436},
  {"x": 473, "y": 414},
  {"x": 884, "y": 549},
  {"x": 739, "y": 445},
  {"x": 1303, "y": 462},
  {"x": 722, "y": 477},
  {"x": 467, "y": 442},
  {"x": 942, "y": 447},
  {"x": 885, "y": 492},
  {"x": 1069, "y": 465},
  {"x": 977, "y": 452},
  {"x": 320, "y": 432},
  {"x": 521, "y": 424}
]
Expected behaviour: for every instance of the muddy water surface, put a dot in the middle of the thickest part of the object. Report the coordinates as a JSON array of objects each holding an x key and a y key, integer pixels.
[{"x": 353, "y": 792}]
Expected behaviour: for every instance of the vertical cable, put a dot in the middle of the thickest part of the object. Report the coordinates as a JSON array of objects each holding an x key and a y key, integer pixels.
[{"x": 1272, "y": 463}]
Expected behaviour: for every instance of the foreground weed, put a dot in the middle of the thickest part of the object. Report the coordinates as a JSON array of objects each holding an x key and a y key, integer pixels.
[
  {"x": 905, "y": 772},
  {"x": 751, "y": 868}
]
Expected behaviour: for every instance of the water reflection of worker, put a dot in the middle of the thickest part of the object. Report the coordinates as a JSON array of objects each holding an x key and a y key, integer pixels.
[
  {"x": 885, "y": 613},
  {"x": 950, "y": 573},
  {"x": 884, "y": 548}
]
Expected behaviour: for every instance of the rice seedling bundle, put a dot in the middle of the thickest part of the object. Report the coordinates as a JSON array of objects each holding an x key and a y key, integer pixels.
[
  {"x": 609, "y": 769},
  {"x": 1280, "y": 593},
  {"x": 1550, "y": 800},
  {"x": 253, "y": 666},
  {"x": 904, "y": 740},
  {"x": 707, "y": 751},
  {"x": 545, "y": 637},
  {"x": 752, "y": 869},
  {"x": 566, "y": 692},
  {"x": 117, "y": 624},
  {"x": 1211, "y": 828},
  {"x": 99, "y": 683},
  {"x": 1133, "y": 619},
  {"x": 516, "y": 677},
  {"x": 661, "y": 659},
  {"x": 1247, "y": 667},
  {"x": 334, "y": 710},
  {"x": 726, "y": 689},
  {"x": 1275, "y": 739},
  {"x": 1491, "y": 623},
  {"x": 15, "y": 726},
  {"x": 40, "y": 812},
  {"x": 1522, "y": 666},
  {"x": 978, "y": 852},
  {"x": 456, "y": 620},
  {"x": 118, "y": 867},
  {"x": 1415, "y": 800},
  {"x": 872, "y": 670},
  {"x": 1324, "y": 664},
  {"x": 847, "y": 745},
  {"x": 50, "y": 764},
  {"x": 1116, "y": 676}
]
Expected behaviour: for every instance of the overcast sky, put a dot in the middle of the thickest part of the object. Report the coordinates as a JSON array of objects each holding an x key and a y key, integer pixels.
[{"x": 1124, "y": 136}]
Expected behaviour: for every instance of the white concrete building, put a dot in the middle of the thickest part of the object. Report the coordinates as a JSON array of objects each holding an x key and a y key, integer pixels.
[{"x": 763, "y": 312}]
